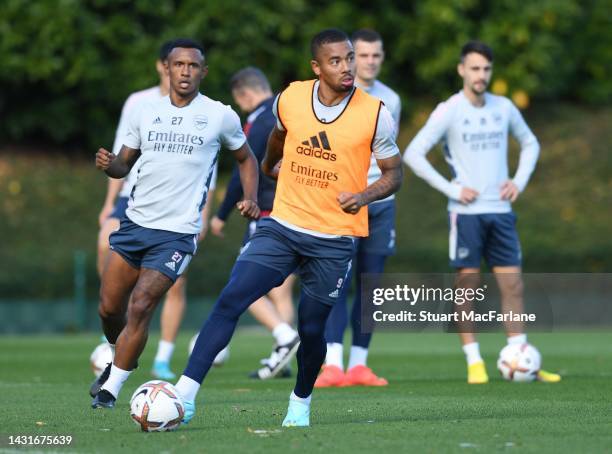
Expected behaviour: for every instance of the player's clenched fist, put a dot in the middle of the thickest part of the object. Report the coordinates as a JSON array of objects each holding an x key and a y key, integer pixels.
[
  {"x": 248, "y": 209},
  {"x": 104, "y": 158},
  {"x": 349, "y": 202}
]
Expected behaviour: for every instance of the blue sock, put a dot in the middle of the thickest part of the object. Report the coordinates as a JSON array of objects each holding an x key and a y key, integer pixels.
[
  {"x": 312, "y": 315},
  {"x": 248, "y": 282},
  {"x": 366, "y": 263}
]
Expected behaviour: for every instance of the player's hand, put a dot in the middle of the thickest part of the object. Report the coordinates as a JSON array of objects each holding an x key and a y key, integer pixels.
[
  {"x": 509, "y": 191},
  {"x": 216, "y": 227},
  {"x": 468, "y": 195},
  {"x": 104, "y": 214},
  {"x": 350, "y": 202},
  {"x": 248, "y": 209},
  {"x": 104, "y": 159}
]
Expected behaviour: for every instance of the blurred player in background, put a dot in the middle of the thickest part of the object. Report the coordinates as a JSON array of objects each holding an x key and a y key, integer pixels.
[
  {"x": 371, "y": 252},
  {"x": 116, "y": 202},
  {"x": 251, "y": 91},
  {"x": 326, "y": 131},
  {"x": 177, "y": 141},
  {"x": 473, "y": 126}
]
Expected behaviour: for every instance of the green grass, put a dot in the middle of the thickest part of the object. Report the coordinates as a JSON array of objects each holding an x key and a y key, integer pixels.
[{"x": 427, "y": 406}]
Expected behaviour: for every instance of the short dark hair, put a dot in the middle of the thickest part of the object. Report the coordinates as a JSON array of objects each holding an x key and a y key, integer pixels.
[
  {"x": 250, "y": 77},
  {"x": 164, "y": 50},
  {"x": 366, "y": 34},
  {"x": 186, "y": 43},
  {"x": 477, "y": 47},
  {"x": 328, "y": 36}
]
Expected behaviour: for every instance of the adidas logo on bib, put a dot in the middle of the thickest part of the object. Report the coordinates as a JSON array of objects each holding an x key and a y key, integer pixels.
[
  {"x": 335, "y": 293},
  {"x": 171, "y": 265}
]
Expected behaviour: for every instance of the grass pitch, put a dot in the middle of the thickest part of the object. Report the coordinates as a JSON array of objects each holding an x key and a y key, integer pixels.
[{"x": 428, "y": 407}]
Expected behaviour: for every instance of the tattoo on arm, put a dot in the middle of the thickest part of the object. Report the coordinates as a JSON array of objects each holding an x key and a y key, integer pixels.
[{"x": 387, "y": 184}]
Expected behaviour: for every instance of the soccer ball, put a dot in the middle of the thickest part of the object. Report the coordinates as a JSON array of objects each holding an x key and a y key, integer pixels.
[
  {"x": 519, "y": 362},
  {"x": 156, "y": 406},
  {"x": 221, "y": 357},
  {"x": 100, "y": 357}
]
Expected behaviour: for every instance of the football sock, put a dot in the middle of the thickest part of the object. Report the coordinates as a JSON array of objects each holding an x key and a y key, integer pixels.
[
  {"x": 334, "y": 355},
  {"x": 164, "y": 351},
  {"x": 338, "y": 318},
  {"x": 366, "y": 263},
  {"x": 359, "y": 356},
  {"x": 248, "y": 282},
  {"x": 312, "y": 315},
  {"x": 187, "y": 388},
  {"x": 519, "y": 339},
  {"x": 472, "y": 353},
  {"x": 304, "y": 400},
  {"x": 115, "y": 380},
  {"x": 283, "y": 333}
]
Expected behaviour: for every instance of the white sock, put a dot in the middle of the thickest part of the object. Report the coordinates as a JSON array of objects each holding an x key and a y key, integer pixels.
[
  {"x": 164, "y": 351},
  {"x": 283, "y": 333},
  {"x": 304, "y": 400},
  {"x": 472, "y": 353},
  {"x": 334, "y": 355},
  {"x": 359, "y": 356},
  {"x": 519, "y": 339},
  {"x": 187, "y": 387},
  {"x": 115, "y": 380}
]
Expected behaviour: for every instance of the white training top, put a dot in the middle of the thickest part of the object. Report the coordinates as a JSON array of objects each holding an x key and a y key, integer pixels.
[
  {"x": 393, "y": 103},
  {"x": 179, "y": 149},
  {"x": 383, "y": 146},
  {"x": 475, "y": 141},
  {"x": 149, "y": 95}
]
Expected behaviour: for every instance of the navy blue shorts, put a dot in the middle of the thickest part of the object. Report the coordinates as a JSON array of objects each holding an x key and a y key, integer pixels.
[
  {"x": 381, "y": 225},
  {"x": 120, "y": 206},
  {"x": 323, "y": 264},
  {"x": 490, "y": 236},
  {"x": 167, "y": 252}
]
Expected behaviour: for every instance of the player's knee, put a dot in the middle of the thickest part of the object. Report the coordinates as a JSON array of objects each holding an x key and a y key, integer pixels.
[
  {"x": 512, "y": 286},
  {"x": 108, "y": 307},
  {"x": 229, "y": 306},
  {"x": 142, "y": 305},
  {"x": 311, "y": 330}
]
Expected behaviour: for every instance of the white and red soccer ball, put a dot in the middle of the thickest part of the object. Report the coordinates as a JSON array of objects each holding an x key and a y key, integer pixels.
[
  {"x": 156, "y": 406},
  {"x": 519, "y": 362}
]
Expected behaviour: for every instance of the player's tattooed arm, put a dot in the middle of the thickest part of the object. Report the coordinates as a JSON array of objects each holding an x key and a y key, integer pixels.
[
  {"x": 249, "y": 178},
  {"x": 387, "y": 184},
  {"x": 117, "y": 166},
  {"x": 270, "y": 165}
]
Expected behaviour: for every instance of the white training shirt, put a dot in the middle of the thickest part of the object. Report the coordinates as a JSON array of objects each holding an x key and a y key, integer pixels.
[
  {"x": 383, "y": 146},
  {"x": 475, "y": 141},
  {"x": 149, "y": 95},
  {"x": 179, "y": 149},
  {"x": 393, "y": 103}
]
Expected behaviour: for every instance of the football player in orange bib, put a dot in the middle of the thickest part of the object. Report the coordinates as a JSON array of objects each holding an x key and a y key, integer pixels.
[{"x": 326, "y": 132}]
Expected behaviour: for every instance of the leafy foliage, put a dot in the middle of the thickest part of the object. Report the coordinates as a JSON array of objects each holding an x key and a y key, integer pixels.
[{"x": 69, "y": 64}]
